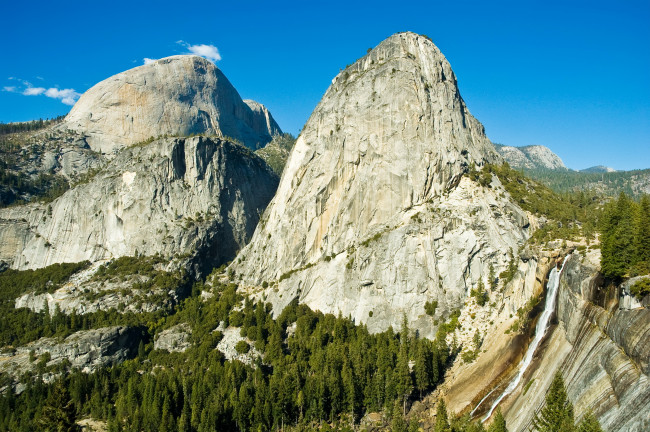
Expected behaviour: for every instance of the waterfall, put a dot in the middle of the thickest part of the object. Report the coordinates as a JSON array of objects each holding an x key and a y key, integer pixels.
[{"x": 540, "y": 330}]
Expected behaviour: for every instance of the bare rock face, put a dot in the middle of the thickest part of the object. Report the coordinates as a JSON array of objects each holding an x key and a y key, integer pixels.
[
  {"x": 197, "y": 196},
  {"x": 174, "y": 339},
  {"x": 87, "y": 350},
  {"x": 373, "y": 215},
  {"x": 178, "y": 95},
  {"x": 531, "y": 157}
]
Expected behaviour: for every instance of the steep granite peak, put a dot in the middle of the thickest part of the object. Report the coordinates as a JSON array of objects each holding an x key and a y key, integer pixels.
[
  {"x": 390, "y": 139},
  {"x": 178, "y": 95}
]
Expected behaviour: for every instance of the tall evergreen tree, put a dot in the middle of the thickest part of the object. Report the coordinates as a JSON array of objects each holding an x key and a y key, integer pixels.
[
  {"x": 642, "y": 246},
  {"x": 557, "y": 413},
  {"x": 398, "y": 424},
  {"x": 499, "y": 423},
  {"x": 442, "y": 420},
  {"x": 422, "y": 366},
  {"x": 403, "y": 380},
  {"x": 589, "y": 423},
  {"x": 59, "y": 412},
  {"x": 617, "y": 239}
]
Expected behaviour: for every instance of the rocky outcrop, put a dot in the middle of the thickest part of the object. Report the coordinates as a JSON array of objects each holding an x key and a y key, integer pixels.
[
  {"x": 228, "y": 343},
  {"x": 373, "y": 215},
  {"x": 174, "y": 339},
  {"x": 602, "y": 352},
  {"x": 198, "y": 197},
  {"x": 467, "y": 383},
  {"x": 277, "y": 152},
  {"x": 531, "y": 157},
  {"x": 41, "y": 161},
  {"x": 85, "y": 293},
  {"x": 178, "y": 95},
  {"x": 86, "y": 350}
]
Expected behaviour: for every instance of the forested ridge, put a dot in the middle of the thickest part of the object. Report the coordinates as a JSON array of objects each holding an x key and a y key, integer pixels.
[
  {"x": 7, "y": 128},
  {"x": 607, "y": 183},
  {"x": 315, "y": 369}
]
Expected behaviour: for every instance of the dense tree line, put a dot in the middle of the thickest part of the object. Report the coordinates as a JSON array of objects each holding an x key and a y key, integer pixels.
[
  {"x": 625, "y": 237},
  {"x": 604, "y": 183},
  {"x": 7, "y": 128},
  {"x": 21, "y": 326},
  {"x": 316, "y": 368}
]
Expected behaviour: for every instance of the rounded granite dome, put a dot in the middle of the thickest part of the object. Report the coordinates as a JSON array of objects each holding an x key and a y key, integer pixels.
[{"x": 178, "y": 95}]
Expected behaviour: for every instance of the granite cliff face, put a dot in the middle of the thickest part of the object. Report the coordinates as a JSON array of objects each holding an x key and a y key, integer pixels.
[
  {"x": 178, "y": 95},
  {"x": 198, "y": 197},
  {"x": 374, "y": 215}
]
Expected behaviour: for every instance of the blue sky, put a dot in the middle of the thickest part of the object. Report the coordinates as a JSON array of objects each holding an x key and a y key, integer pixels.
[{"x": 571, "y": 75}]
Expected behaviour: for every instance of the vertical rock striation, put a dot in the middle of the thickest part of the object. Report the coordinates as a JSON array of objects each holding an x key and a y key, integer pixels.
[{"x": 199, "y": 197}]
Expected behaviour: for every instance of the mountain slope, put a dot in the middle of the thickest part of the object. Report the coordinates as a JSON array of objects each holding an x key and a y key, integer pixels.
[
  {"x": 374, "y": 215},
  {"x": 196, "y": 196}
]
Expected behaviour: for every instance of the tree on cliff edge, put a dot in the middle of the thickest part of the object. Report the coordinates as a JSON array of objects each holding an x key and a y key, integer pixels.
[{"x": 557, "y": 413}]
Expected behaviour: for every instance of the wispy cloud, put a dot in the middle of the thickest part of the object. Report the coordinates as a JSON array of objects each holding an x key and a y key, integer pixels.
[
  {"x": 209, "y": 52},
  {"x": 66, "y": 96},
  {"x": 149, "y": 60},
  {"x": 34, "y": 91}
]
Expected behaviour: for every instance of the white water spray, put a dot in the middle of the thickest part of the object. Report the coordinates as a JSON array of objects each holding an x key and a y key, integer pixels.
[{"x": 540, "y": 331}]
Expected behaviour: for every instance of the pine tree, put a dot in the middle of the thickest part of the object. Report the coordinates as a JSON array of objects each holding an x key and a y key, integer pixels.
[
  {"x": 59, "y": 412},
  {"x": 442, "y": 420},
  {"x": 499, "y": 423},
  {"x": 422, "y": 366},
  {"x": 617, "y": 240},
  {"x": 398, "y": 424},
  {"x": 642, "y": 246},
  {"x": 557, "y": 413},
  {"x": 589, "y": 423},
  {"x": 403, "y": 381},
  {"x": 414, "y": 425},
  {"x": 492, "y": 278}
]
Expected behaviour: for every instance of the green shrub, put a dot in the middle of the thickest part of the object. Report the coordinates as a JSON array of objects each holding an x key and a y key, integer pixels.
[
  {"x": 430, "y": 307},
  {"x": 641, "y": 288},
  {"x": 242, "y": 347}
]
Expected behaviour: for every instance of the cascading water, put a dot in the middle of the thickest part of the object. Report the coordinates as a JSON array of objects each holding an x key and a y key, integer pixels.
[{"x": 540, "y": 331}]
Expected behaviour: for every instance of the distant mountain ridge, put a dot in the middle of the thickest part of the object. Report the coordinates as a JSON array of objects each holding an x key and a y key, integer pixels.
[
  {"x": 598, "y": 169},
  {"x": 540, "y": 163},
  {"x": 531, "y": 157}
]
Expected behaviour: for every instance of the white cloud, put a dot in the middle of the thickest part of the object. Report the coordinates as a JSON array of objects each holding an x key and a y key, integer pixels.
[
  {"x": 33, "y": 91},
  {"x": 67, "y": 96},
  {"x": 209, "y": 52},
  {"x": 149, "y": 60}
]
